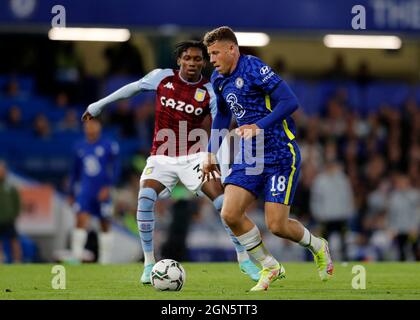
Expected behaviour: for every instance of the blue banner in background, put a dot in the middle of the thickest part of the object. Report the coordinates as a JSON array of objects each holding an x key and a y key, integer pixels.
[{"x": 269, "y": 15}]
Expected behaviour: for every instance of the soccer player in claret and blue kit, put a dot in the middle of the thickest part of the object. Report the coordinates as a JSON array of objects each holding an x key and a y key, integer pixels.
[{"x": 262, "y": 104}]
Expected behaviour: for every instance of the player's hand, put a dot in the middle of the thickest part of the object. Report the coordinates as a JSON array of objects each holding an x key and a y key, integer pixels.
[
  {"x": 86, "y": 116},
  {"x": 210, "y": 168},
  {"x": 104, "y": 194},
  {"x": 248, "y": 131}
]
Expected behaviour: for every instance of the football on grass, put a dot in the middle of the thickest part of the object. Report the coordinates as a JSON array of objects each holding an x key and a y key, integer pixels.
[{"x": 168, "y": 275}]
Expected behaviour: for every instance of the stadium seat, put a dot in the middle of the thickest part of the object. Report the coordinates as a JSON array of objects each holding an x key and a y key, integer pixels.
[
  {"x": 114, "y": 83},
  {"x": 26, "y": 83},
  {"x": 394, "y": 94}
]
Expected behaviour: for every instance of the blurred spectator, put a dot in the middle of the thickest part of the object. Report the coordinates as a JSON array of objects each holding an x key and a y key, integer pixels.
[
  {"x": 332, "y": 202},
  {"x": 71, "y": 122},
  {"x": 338, "y": 71},
  {"x": 404, "y": 205},
  {"x": 334, "y": 123},
  {"x": 123, "y": 118},
  {"x": 363, "y": 75},
  {"x": 12, "y": 88},
  {"x": 375, "y": 221},
  {"x": 374, "y": 172},
  {"x": 126, "y": 203},
  {"x": 69, "y": 69},
  {"x": 124, "y": 58},
  {"x": 414, "y": 165},
  {"x": 9, "y": 212},
  {"x": 14, "y": 118},
  {"x": 41, "y": 127},
  {"x": 301, "y": 205},
  {"x": 311, "y": 148},
  {"x": 62, "y": 100},
  {"x": 145, "y": 122},
  {"x": 279, "y": 66}
]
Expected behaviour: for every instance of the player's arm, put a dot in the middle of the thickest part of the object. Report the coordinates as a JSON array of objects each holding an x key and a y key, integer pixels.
[
  {"x": 147, "y": 83},
  {"x": 285, "y": 103},
  {"x": 282, "y": 99}
]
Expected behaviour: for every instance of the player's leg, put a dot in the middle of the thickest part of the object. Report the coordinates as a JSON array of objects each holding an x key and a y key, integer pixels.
[
  {"x": 280, "y": 187},
  {"x": 158, "y": 175},
  {"x": 213, "y": 189},
  {"x": 148, "y": 194},
  {"x": 279, "y": 223},
  {"x": 16, "y": 249},
  {"x": 237, "y": 199},
  {"x": 105, "y": 237},
  {"x": 15, "y": 246},
  {"x": 79, "y": 234}
]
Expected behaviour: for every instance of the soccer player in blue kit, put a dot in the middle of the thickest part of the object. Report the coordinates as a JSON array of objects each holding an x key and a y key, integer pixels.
[
  {"x": 262, "y": 104},
  {"x": 96, "y": 169}
]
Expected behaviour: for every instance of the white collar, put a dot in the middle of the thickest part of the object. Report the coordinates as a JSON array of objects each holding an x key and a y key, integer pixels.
[{"x": 187, "y": 82}]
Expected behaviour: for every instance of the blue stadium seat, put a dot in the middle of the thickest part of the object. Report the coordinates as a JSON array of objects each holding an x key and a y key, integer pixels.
[
  {"x": 26, "y": 83},
  {"x": 304, "y": 92},
  {"x": 30, "y": 107},
  {"x": 394, "y": 94},
  {"x": 114, "y": 83}
]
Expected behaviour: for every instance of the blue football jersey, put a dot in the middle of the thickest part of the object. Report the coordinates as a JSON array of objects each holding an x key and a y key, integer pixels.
[
  {"x": 246, "y": 93},
  {"x": 95, "y": 165}
]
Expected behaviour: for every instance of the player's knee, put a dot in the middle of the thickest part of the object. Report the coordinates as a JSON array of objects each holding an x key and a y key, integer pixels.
[
  {"x": 231, "y": 217},
  {"x": 147, "y": 199},
  {"x": 278, "y": 229},
  {"x": 146, "y": 203}
]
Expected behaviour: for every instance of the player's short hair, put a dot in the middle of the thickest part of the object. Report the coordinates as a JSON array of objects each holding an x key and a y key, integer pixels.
[
  {"x": 185, "y": 45},
  {"x": 218, "y": 34}
]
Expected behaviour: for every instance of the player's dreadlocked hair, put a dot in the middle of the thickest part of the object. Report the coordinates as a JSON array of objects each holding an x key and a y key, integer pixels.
[
  {"x": 221, "y": 33},
  {"x": 185, "y": 45}
]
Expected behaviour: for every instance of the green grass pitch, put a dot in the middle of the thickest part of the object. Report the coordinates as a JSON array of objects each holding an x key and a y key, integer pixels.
[{"x": 209, "y": 281}]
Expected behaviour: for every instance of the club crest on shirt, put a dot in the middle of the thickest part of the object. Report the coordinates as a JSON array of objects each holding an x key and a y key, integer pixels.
[
  {"x": 239, "y": 82},
  {"x": 200, "y": 94}
]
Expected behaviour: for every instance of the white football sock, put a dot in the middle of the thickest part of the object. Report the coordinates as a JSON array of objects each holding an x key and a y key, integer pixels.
[
  {"x": 310, "y": 241},
  {"x": 255, "y": 247},
  {"x": 105, "y": 248},
  {"x": 242, "y": 256},
  {"x": 78, "y": 242},
  {"x": 149, "y": 258}
]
